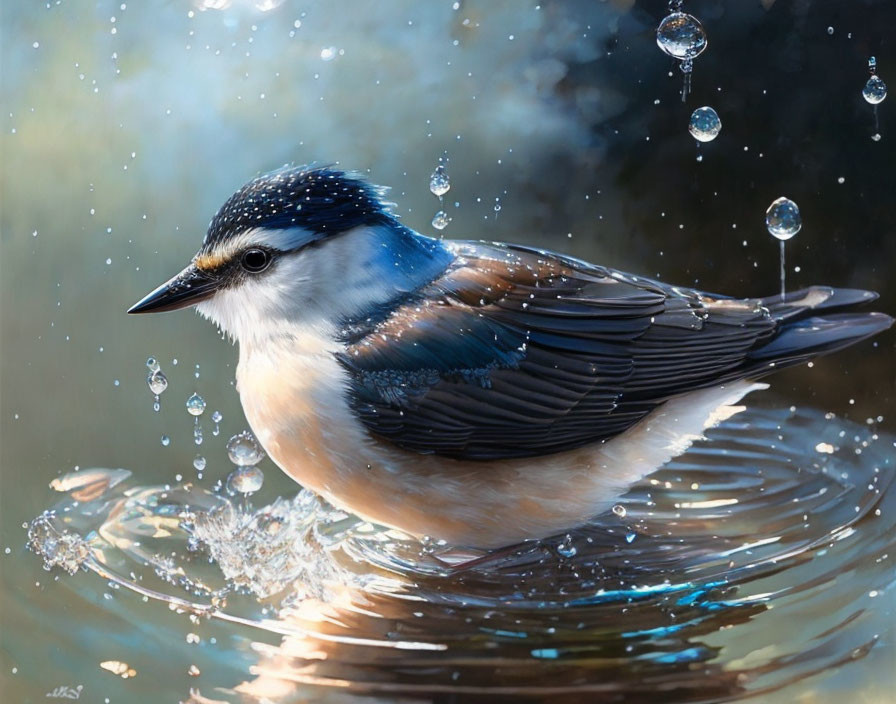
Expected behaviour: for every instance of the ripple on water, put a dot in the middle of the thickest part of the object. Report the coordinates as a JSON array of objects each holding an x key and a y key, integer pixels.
[{"x": 752, "y": 561}]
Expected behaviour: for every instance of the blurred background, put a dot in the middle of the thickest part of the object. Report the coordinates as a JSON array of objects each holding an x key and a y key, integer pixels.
[{"x": 126, "y": 124}]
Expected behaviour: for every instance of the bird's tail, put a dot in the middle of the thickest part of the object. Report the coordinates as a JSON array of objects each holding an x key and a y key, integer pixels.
[{"x": 814, "y": 321}]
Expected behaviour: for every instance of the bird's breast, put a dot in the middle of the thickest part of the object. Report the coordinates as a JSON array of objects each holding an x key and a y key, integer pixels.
[{"x": 294, "y": 397}]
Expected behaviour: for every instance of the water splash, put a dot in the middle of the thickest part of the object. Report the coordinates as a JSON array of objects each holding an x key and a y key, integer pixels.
[{"x": 755, "y": 517}]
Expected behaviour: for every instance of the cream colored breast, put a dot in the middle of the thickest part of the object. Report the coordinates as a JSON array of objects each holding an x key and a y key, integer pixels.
[{"x": 294, "y": 396}]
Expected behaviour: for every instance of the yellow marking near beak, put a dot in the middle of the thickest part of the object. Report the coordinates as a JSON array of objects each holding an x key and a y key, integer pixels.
[{"x": 211, "y": 260}]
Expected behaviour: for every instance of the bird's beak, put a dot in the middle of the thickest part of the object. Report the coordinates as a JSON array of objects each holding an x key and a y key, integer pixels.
[{"x": 189, "y": 287}]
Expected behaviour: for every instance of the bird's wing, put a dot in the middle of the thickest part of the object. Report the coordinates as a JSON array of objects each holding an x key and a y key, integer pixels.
[{"x": 516, "y": 352}]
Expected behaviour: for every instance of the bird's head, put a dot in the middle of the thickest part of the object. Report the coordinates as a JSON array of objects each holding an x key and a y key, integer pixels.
[{"x": 298, "y": 245}]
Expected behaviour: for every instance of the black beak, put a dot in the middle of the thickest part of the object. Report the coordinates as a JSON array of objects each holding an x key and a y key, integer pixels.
[{"x": 189, "y": 287}]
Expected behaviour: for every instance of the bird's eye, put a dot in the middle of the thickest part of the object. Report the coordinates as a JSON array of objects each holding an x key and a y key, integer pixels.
[{"x": 255, "y": 260}]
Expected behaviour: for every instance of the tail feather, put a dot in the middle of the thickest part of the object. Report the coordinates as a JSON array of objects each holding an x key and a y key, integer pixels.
[
  {"x": 802, "y": 333},
  {"x": 805, "y": 338},
  {"x": 798, "y": 304}
]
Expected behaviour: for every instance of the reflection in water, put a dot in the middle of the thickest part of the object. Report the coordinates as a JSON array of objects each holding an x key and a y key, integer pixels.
[{"x": 781, "y": 516}]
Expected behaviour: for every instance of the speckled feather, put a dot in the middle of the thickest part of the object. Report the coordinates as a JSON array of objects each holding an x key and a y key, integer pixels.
[{"x": 321, "y": 200}]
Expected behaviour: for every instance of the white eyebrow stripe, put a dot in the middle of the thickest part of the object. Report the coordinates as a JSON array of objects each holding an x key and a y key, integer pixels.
[{"x": 283, "y": 240}]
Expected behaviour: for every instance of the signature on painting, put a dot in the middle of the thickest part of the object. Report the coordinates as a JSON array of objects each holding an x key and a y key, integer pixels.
[{"x": 63, "y": 692}]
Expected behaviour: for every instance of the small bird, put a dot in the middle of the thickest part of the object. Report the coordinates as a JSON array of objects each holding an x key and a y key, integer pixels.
[{"x": 479, "y": 393}]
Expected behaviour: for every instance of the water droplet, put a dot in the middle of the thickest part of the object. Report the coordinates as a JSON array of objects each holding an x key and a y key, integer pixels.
[
  {"x": 244, "y": 450},
  {"x": 630, "y": 537},
  {"x": 216, "y": 419},
  {"x": 783, "y": 219},
  {"x": 193, "y": 671},
  {"x": 705, "y": 124},
  {"x": 875, "y": 137},
  {"x": 566, "y": 548},
  {"x": 439, "y": 183},
  {"x": 875, "y": 90},
  {"x": 440, "y": 220},
  {"x": 166, "y": 441},
  {"x": 199, "y": 463},
  {"x": 328, "y": 53},
  {"x": 195, "y": 405},
  {"x": 681, "y": 36},
  {"x": 157, "y": 382},
  {"x": 619, "y": 510},
  {"x": 830, "y": 30},
  {"x": 245, "y": 480},
  {"x": 152, "y": 364}
]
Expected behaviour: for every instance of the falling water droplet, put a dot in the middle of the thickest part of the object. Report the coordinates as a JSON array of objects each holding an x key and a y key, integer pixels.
[
  {"x": 439, "y": 182},
  {"x": 705, "y": 124},
  {"x": 783, "y": 219},
  {"x": 195, "y": 405},
  {"x": 244, "y": 450},
  {"x": 216, "y": 419},
  {"x": 440, "y": 220},
  {"x": 199, "y": 463},
  {"x": 166, "y": 441},
  {"x": 245, "y": 480},
  {"x": 157, "y": 382},
  {"x": 619, "y": 510},
  {"x": 152, "y": 364},
  {"x": 681, "y": 36},
  {"x": 875, "y": 90}
]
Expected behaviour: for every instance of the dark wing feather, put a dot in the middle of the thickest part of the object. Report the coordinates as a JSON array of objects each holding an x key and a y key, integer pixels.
[{"x": 516, "y": 352}]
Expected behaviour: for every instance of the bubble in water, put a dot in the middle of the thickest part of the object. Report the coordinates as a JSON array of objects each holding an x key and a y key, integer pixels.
[
  {"x": 439, "y": 183},
  {"x": 440, "y": 220},
  {"x": 166, "y": 441},
  {"x": 705, "y": 124},
  {"x": 152, "y": 364},
  {"x": 875, "y": 90},
  {"x": 619, "y": 510},
  {"x": 199, "y": 463},
  {"x": 681, "y": 36},
  {"x": 243, "y": 450},
  {"x": 195, "y": 405},
  {"x": 245, "y": 480},
  {"x": 783, "y": 219},
  {"x": 157, "y": 382}
]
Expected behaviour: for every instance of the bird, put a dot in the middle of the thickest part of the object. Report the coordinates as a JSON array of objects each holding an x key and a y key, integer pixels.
[{"x": 471, "y": 392}]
